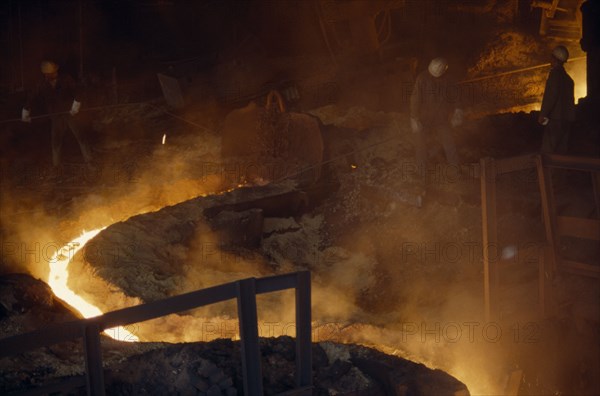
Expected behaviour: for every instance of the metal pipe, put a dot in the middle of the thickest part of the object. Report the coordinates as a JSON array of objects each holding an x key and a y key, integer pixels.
[
  {"x": 66, "y": 112},
  {"x": 517, "y": 71}
]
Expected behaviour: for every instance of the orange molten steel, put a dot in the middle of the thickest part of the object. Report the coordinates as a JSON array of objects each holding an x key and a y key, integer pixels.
[{"x": 59, "y": 276}]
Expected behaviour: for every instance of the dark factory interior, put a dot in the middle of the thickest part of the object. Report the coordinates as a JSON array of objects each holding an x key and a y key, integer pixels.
[{"x": 300, "y": 197}]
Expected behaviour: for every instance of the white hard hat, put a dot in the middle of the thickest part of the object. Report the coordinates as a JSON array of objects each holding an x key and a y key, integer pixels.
[
  {"x": 437, "y": 67},
  {"x": 48, "y": 67},
  {"x": 561, "y": 53}
]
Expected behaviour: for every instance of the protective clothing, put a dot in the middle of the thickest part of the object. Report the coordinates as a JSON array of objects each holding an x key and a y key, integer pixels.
[
  {"x": 57, "y": 98},
  {"x": 437, "y": 67},
  {"x": 442, "y": 133},
  {"x": 558, "y": 102},
  {"x": 59, "y": 127},
  {"x": 60, "y": 98},
  {"x": 561, "y": 53},
  {"x": 75, "y": 107},
  {"x": 558, "y": 108},
  {"x": 432, "y": 103},
  {"x": 415, "y": 125},
  {"x": 48, "y": 67},
  {"x": 457, "y": 118},
  {"x": 433, "y": 99},
  {"x": 25, "y": 115}
]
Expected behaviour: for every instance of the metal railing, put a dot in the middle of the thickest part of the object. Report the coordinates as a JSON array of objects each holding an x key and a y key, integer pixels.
[{"x": 244, "y": 291}]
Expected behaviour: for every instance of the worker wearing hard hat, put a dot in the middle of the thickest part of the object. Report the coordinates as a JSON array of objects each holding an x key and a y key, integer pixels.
[
  {"x": 558, "y": 104},
  {"x": 59, "y": 95},
  {"x": 434, "y": 109}
]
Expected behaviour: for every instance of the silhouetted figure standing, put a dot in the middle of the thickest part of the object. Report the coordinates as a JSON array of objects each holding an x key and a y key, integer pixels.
[
  {"x": 558, "y": 105},
  {"x": 59, "y": 94},
  {"x": 433, "y": 111}
]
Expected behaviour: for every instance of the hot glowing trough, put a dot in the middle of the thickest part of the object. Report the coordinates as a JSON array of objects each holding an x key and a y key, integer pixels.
[{"x": 59, "y": 276}]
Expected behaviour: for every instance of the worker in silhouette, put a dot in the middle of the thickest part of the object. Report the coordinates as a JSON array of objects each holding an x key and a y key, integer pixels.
[
  {"x": 558, "y": 104},
  {"x": 59, "y": 95},
  {"x": 433, "y": 112}
]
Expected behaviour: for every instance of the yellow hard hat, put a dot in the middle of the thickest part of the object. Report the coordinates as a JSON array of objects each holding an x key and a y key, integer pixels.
[{"x": 48, "y": 67}]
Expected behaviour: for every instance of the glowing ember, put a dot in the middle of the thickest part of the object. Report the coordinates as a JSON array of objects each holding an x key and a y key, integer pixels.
[
  {"x": 59, "y": 276},
  {"x": 164, "y": 139}
]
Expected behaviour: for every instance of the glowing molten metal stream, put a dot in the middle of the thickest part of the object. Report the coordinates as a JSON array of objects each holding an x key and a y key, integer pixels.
[{"x": 59, "y": 276}]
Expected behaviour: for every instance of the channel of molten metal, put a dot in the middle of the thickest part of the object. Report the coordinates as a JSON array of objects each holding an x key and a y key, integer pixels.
[{"x": 59, "y": 276}]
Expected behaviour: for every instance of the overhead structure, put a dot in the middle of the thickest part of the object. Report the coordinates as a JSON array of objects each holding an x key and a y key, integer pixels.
[
  {"x": 356, "y": 28},
  {"x": 559, "y": 19}
]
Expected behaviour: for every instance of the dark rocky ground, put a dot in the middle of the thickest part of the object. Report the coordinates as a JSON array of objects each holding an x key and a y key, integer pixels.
[{"x": 210, "y": 368}]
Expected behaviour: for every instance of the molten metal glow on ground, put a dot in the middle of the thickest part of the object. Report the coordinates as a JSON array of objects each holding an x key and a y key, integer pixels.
[
  {"x": 59, "y": 276},
  {"x": 58, "y": 280}
]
